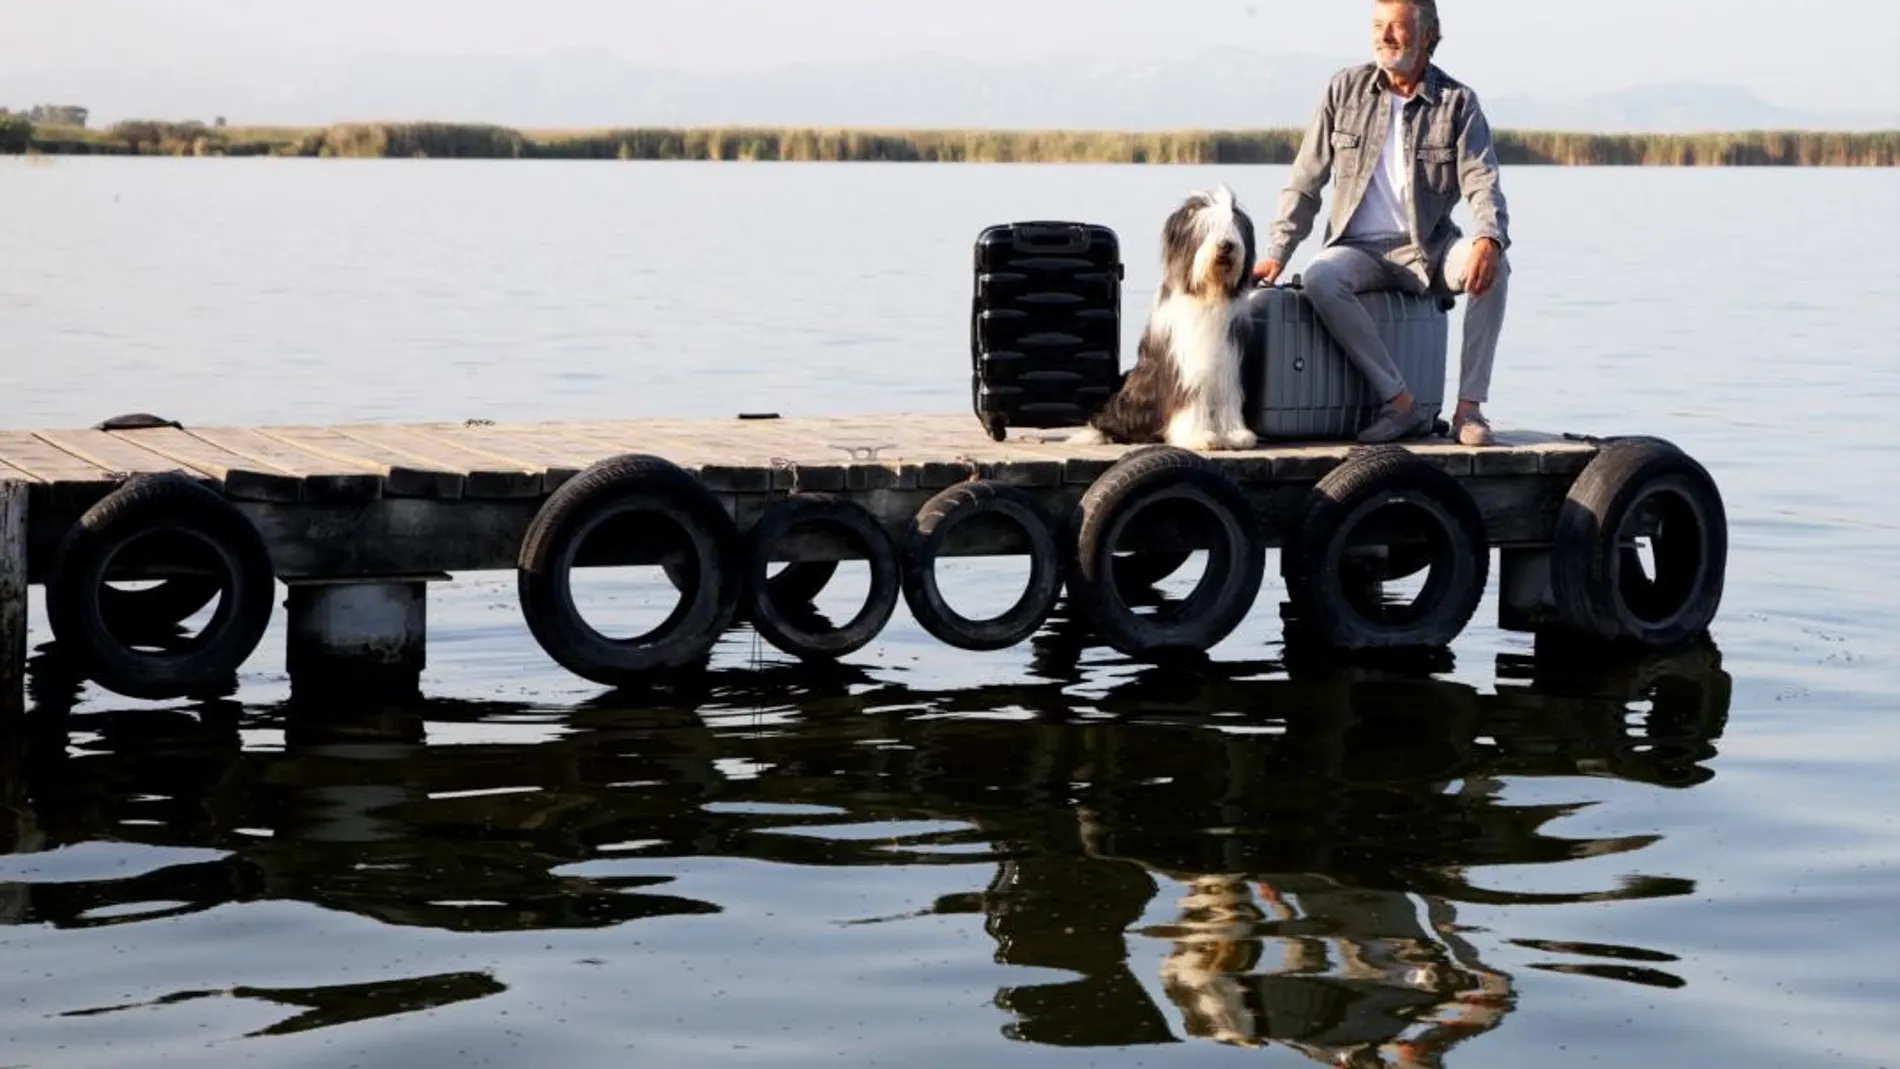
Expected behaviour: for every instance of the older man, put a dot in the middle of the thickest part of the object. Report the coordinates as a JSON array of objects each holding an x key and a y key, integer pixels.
[{"x": 1407, "y": 141}]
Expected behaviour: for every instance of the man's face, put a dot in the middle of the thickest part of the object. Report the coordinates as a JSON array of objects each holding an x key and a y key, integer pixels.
[{"x": 1395, "y": 37}]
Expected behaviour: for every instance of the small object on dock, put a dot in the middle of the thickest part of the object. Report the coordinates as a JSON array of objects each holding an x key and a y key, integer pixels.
[
  {"x": 136, "y": 421},
  {"x": 861, "y": 452}
]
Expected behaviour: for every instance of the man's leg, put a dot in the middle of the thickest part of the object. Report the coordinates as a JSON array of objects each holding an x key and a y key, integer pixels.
[
  {"x": 1484, "y": 323},
  {"x": 1333, "y": 283}
]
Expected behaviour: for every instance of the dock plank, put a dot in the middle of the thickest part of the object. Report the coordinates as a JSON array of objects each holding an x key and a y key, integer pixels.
[
  {"x": 243, "y": 477},
  {"x": 531, "y": 451},
  {"x": 483, "y": 477},
  {"x": 403, "y": 475},
  {"x": 116, "y": 455},
  {"x": 324, "y": 478},
  {"x": 66, "y": 479},
  {"x": 752, "y": 456}
]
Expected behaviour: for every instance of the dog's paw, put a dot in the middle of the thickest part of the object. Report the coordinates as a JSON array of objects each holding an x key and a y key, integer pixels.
[
  {"x": 1088, "y": 436},
  {"x": 1196, "y": 443},
  {"x": 1239, "y": 439}
]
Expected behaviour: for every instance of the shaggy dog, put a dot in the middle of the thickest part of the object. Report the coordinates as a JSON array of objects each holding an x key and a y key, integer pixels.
[{"x": 1185, "y": 387}]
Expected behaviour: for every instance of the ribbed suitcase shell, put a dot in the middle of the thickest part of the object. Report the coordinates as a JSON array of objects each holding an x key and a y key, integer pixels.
[
  {"x": 1045, "y": 324},
  {"x": 1301, "y": 385}
]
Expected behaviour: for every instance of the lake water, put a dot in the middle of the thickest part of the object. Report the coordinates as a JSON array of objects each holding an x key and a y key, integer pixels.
[{"x": 1042, "y": 857}]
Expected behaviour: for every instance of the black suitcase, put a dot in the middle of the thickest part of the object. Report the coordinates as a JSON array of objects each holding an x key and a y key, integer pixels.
[{"x": 1045, "y": 328}]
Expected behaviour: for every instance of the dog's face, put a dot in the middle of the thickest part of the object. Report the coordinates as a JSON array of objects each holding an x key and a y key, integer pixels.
[{"x": 1207, "y": 247}]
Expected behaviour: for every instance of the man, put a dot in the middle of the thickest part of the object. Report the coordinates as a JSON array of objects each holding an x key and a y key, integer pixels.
[{"x": 1406, "y": 141}]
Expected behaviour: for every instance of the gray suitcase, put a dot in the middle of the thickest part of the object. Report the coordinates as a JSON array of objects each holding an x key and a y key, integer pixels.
[{"x": 1299, "y": 382}]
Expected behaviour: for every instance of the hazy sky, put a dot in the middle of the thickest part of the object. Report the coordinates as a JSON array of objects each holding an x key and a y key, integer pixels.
[{"x": 1836, "y": 54}]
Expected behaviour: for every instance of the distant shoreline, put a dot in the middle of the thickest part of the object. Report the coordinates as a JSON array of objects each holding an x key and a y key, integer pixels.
[{"x": 377, "y": 140}]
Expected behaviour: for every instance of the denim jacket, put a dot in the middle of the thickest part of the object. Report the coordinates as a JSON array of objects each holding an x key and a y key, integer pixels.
[{"x": 1453, "y": 158}]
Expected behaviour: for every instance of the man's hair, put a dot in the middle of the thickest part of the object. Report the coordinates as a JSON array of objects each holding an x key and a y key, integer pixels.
[{"x": 1427, "y": 20}]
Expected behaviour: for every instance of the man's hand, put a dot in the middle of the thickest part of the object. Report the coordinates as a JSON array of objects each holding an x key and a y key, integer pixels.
[
  {"x": 1483, "y": 269},
  {"x": 1268, "y": 271}
]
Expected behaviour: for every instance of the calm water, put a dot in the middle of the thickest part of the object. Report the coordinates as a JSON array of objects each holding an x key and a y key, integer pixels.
[{"x": 1043, "y": 857}]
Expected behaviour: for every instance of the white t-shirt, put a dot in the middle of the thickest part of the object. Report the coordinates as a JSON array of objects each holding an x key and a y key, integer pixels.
[{"x": 1382, "y": 210}]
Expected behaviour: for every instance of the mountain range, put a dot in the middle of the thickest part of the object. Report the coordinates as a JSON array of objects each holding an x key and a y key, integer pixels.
[{"x": 1223, "y": 88}]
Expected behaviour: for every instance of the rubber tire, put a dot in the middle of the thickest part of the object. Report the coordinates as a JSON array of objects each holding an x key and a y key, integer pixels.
[
  {"x": 78, "y": 615},
  {"x": 1228, "y": 586},
  {"x": 1138, "y": 572},
  {"x": 1370, "y": 479},
  {"x": 607, "y": 489},
  {"x": 1592, "y": 576},
  {"x": 797, "y": 584},
  {"x": 155, "y": 608},
  {"x": 780, "y": 628},
  {"x": 925, "y": 538}
]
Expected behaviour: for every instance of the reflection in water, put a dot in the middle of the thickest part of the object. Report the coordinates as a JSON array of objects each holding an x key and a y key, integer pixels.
[
  {"x": 344, "y": 1003},
  {"x": 1310, "y": 834}
]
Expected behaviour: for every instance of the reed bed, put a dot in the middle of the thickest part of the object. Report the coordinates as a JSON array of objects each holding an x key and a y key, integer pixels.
[{"x": 442, "y": 140}]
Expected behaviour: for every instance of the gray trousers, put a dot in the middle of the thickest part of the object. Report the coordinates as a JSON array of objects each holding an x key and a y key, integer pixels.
[{"x": 1351, "y": 267}]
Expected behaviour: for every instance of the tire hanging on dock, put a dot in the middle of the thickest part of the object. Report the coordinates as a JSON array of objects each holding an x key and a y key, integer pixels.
[
  {"x": 633, "y": 498},
  {"x": 180, "y": 521},
  {"x": 931, "y": 528},
  {"x": 795, "y": 629},
  {"x": 1633, "y": 488},
  {"x": 1139, "y": 571},
  {"x": 1385, "y": 510},
  {"x": 797, "y": 584},
  {"x": 1189, "y": 485},
  {"x": 156, "y": 608}
]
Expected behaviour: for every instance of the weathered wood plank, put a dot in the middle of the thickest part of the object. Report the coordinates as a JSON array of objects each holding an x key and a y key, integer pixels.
[
  {"x": 65, "y": 479},
  {"x": 114, "y": 454},
  {"x": 13, "y": 595},
  {"x": 403, "y": 475},
  {"x": 243, "y": 478},
  {"x": 556, "y": 462},
  {"x": 324, "y": 478},
  {"x": 483, "y": 477},
  {"x": 8, "y": 471}
]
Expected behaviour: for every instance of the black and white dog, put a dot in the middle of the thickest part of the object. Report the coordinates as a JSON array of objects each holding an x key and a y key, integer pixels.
[{"x": 1185, "y": 388}]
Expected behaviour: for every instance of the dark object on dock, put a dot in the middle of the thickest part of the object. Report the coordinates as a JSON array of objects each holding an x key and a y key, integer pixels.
[
  {"x": 1045, "y": 325},
  {"x": 1601, "y": 542},
  {"x": 133, "y": 421}
]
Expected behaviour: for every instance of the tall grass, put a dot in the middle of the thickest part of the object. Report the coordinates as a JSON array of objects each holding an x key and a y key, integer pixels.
[{"x": 1768, "y": 148}]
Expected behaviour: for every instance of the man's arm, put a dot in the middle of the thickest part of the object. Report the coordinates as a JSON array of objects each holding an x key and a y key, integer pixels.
[
  {"x": 1312, "y": 168},
  {"x": 1478, "y": 177}
]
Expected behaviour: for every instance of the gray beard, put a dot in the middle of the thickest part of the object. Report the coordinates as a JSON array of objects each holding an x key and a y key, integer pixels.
[{"x": 1403, "y": 65}]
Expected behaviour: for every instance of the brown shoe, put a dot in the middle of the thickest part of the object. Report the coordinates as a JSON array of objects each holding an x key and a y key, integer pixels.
[
  {"x": 1472, "y": 430},
  {"x": 1393, "y": 424}
]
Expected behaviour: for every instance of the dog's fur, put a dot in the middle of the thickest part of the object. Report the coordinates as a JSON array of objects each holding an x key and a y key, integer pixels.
[{"x": 1185, "y": 388}]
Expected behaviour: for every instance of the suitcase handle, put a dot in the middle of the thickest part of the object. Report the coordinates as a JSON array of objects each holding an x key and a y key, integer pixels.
[{"x": 1051, "y": 237}]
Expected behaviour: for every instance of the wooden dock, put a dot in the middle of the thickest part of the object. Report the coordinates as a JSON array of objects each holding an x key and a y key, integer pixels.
[{"x": 383, "y": 503}]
